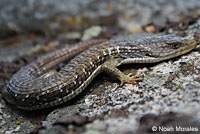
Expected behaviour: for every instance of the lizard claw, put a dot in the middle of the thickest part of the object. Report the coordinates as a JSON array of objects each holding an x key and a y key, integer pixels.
[{"x": 130, "y": 79}]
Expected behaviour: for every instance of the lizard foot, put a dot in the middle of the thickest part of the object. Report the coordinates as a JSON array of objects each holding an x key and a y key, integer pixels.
[{"x": 130, "y": 79}]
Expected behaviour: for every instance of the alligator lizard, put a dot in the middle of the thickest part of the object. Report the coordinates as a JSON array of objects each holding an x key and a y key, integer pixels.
[{"x": 34, "y": 87}]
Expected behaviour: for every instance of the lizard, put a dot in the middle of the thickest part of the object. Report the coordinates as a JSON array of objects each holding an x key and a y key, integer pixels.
[{"x": 34, "y": 87}]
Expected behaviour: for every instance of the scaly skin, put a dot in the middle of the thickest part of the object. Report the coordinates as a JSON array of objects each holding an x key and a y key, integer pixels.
[{"x": 31, "y": 88}]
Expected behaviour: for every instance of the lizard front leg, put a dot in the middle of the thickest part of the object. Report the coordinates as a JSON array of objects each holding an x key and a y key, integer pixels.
[{"x": 110, "y": 68}]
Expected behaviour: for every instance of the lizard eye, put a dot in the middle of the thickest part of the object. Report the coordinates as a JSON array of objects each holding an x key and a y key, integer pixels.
[
  {"x": 175, "y": 45},
  {"x": 148, "y": 54}
]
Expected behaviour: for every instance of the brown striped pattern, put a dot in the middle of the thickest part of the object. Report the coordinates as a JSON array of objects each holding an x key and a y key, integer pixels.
[{"x": 34, "y": 87}]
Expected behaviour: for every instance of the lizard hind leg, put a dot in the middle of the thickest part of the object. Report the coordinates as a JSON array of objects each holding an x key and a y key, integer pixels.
[{"x": 110, "y": 69}]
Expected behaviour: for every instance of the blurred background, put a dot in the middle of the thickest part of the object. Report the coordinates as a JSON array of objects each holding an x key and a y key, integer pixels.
[
  {"x": 53, "y": 17},
  {"x": 67, "y": 20}
]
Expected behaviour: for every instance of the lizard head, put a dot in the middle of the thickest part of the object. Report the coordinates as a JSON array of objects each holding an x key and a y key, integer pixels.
[
  {"x": 166, "y": 47},
  {"x": 158, "y": 48}
]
